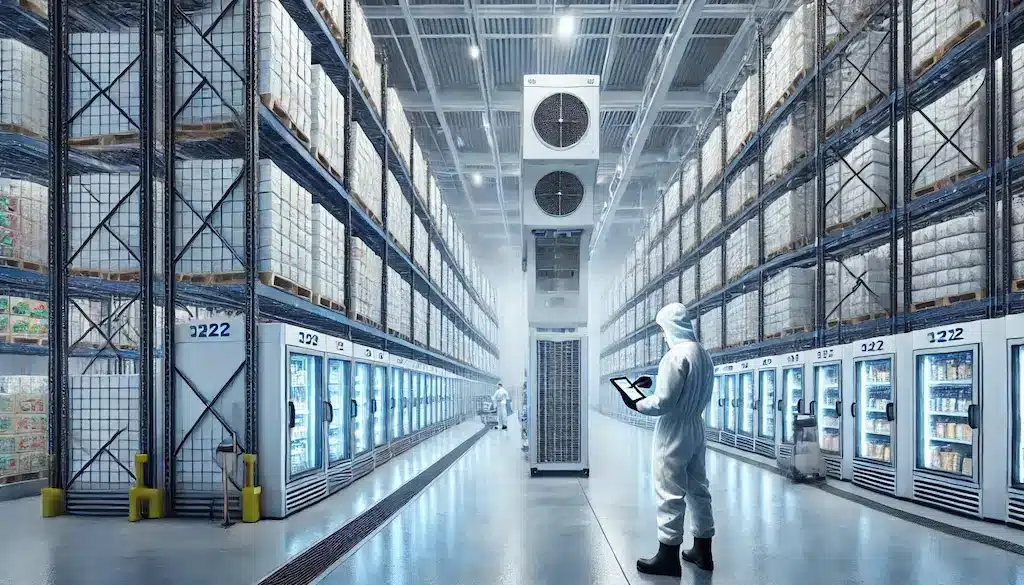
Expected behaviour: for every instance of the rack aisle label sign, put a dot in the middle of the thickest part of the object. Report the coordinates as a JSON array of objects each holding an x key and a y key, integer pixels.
[
  {"x": 875, "y": 346},
  {"x": 211, "y": 330},
  {"x": 338, "y": 345},
  {"x": 958, "y": 334},
  {"x": 369, "y": 354},
  {"x": 299, "y": 337}
]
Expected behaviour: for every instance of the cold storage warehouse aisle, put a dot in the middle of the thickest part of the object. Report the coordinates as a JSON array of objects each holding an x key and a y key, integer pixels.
[
  {"x": 88, "y": 550},
  {"x": 486, "y": 521}
]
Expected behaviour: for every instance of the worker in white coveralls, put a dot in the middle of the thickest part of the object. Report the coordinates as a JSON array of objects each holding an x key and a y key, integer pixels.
[
  {"x": 500, "y": 400},
  {"x": 682, "y": 392}
]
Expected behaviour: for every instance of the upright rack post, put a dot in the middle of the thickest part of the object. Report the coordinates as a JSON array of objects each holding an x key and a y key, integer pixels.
[
  {"x": 252, "y": 149},
  {"x": 994, "y": 288},
  {"x": 760, "y": 178},
  {"x": 148, "y": 144},
  {"x": 818, "y": 102},
  {"x": 894, "y": 184},
  {"x": 170, "y": 226}
]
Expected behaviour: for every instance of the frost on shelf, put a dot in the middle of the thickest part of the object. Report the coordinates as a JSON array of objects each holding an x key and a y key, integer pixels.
[
  {"x": 24, "y": 88},
  {"x": 710, "y": 214},
  {"x": 789, "y": 301},
  {"x": 105, "y": 233},
  {"x": 741, "y": 319},
  {"x": 285, "y": 220},
  {"x": 857, "y": 186},
  {"x": 949, "y": 137},
  {"x": 24, "y": 225},
  {"x": 328, "y": 107},
  {"x": 328, "y": 256},
  {"x": 212, "y": 66},
  {"x": 949, "y": 258}
]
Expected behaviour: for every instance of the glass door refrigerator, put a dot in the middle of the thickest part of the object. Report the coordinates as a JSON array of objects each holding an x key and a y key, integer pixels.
[
  {"x": 747, "y": 402},
  {"x": 361, "y": 409},
  {"x": 946, "y": 473},
  {"x": 874, "y": 411},
  {"x": 766, "y": 381},
  {"x": 1015, "y": 509},
  {"x": 417, "y": 399},
  {"x": 337, "y": 400},
  {"x": 730, "y": 406},
  {"x": 407, "y": 400},
  {"x": 713, "y": 416},
  {"x": 380, "y": 405},
  {"x": 395, "y": 419},
  {"x": 304, "y": 415},
  {"x": 792, "y": 402},
  {"x": 826, "y": 407}
]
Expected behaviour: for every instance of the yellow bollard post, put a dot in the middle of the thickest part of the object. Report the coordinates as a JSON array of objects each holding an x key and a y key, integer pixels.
[
  {"x": 250, "y": 492},
  {"x": 139, "y": 494},
  {"x": 52, "y": 499}
]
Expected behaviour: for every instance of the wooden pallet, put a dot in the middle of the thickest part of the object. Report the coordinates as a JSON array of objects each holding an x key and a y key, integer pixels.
[
  {"x": 855, "y": 220},
  {"x": 848, "y": 121},
  {"x": 27, "y": 340},
  {"x": 100, "y": 141},
  {"x": 21, "y": 477},
  {"x": 89, "y": 272},
  {"x": 37, "y": 8},
  {"x": 23, "y": 265},
  {"x": 123, "y": 276},
  {"x": 858, "y": 319},
  {"x": 745, "y": 270},
  {"x": 740, "y": 344},
  {"x": 945, "y": 182},
  {"x": 947, "y": 301},
  {"x": 743, "y": 144},
  {"x": 205, "y": 131},
  {"x": 19, "y": 129},
  {"x": 274, "y": 106},
  {"x": 788, "y": 248},
  {"x": 335, "y": 22},
  {"x": 399, "y": 334},
  {"x": 366, "y": 320},
  {"x": 212, "y": 277},
  {"x": 280, "y": 282},
  {"x": 320, "y": 158},
  {"x": 1018, "y": 148},
  {"x": 786, "y": 94},
  {"x": 329, "y": 304},
  {"x": 968, "y": 30},
  {"x": 1017, "y": 285},
  {"x": 366, "y": 209},
  {"x": 789, "y": 331}
]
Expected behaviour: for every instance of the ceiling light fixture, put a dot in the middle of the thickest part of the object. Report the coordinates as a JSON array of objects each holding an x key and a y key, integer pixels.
[
  {"x": 474, "y": 52},
  {"x": 477, "y": 179},
  {"x": 566, "y": 26}
]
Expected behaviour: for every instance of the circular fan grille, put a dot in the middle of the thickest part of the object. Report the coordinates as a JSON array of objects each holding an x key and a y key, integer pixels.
[
  {"x": 559, "y": 193},
  {"x": 561, "y": 120}
]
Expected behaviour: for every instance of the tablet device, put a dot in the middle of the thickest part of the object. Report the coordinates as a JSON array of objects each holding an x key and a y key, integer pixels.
[{"x": 626, "y": 387}]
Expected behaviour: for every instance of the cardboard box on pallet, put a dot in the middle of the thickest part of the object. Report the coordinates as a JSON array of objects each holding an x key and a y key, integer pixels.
[
  {"x": 435, "y": 327},
  {"x": 789, "y": 220},
  {"x": 655, "y": 219},
  {"x": 399, "y": 301},
  {"x": 688, "y": 285},
  {"x": 112, "y": 199},
  {"x": 710, "y": 271},
  {"x": 24, "y": 88},
  {"x": 368, "y": 276},
  {"x": 710, "y": 214},
  {"x": 328, "y": 256},
  {"x": 711, "y": 157},
  {"x": 672, "y": 201},
  {"x": 937, "y": 25},
  {"x": 284, "y": 60},
  {"x": 790, "y": 142},
  {"x": 24, "y": 225},
  {"x": 421, "y": 243},
  {"x": 688, "y": 229},
  {"x": 670, "y": 290},
  {"x": 435, "y": 264},
  {"x": 742, "y": 190},
  {"x": 670, "y": 246},
  {"x": 327, "y": 140},
  {"x": 857, "y": 185},
  {"x": 399, "y": 214},
  {"x": 741, "y": 249},
  {"x": 741, "y": 122},
  {"x": 790, "y": 55},
  {"x": 789, "y": 301},
  {"x": 948, "y": 259},
  {"x": 419, "y": 318},
  {"x": 1017, "y": 241},
  {"x": 367, "y": 177},
  {"x": 710, "y": 334},
  {"x": 363, "y": 54},
  {"x": 741, "y": 319},
  {"x": 655, "y": 258},
  {"x": 85, "y": 320},
  {"x": 957, "y": 118},
  {"x": 859, "y": 78},
  {"x": 688, "y": 182},
  {"x": 398, "y": 126},
  {"x": 420, "y": 172},
  {"x": 843, "y": 17},
  {"x": 285, "y": 220}
]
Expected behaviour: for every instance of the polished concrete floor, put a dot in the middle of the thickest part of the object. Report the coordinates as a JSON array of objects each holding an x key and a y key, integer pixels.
[{"x": 486, "y": 521}]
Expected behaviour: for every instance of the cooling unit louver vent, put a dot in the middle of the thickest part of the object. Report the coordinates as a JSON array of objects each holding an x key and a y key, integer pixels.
[
  {"x": 559, "y": 401},
  {"x": 561, "y": 120},
  {"x": 558, "y": 193}
]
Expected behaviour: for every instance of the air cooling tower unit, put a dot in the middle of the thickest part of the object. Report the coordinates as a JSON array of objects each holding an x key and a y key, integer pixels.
[
  {"x": 558, "y": 401},
  {"x": 556, "y": 277},
  {"x": 561, "y": 117},
  {"x": 558, "y": 194}
]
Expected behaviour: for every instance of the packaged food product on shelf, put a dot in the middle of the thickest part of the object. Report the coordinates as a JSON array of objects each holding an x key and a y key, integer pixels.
[
  {"x": 398, "y": 126},
  {"x": 857, "y": 186},
  {"x": 742, "y": 190},
  {"x": 23, "y": 428},
  {"x": 741, "y": 319},
  {"x": 328, "y": 112},
  {"x": 670, "y": 246},
  {"x": 688, "y": 229},
  {"x": 24, "y": 88},
  {"x": 741, "y": 122},
  {"x": 367, "y": 176},
  {"x": 672, "y": 200},
  {"x": 434, "y": 336},
  {"x": 710, "y": 214},
  {"x": 790, "y": 143},
  {"x": 688, "y": 286},
  {"x": 859, "y": 79},
  {"x": 399, "y": 303},
  {"x": 419, "y": 318},
  {"x": 711, "y": 271},
  {"x": 789, "y": 221},
  {"x": 368, "y": 277},
  {"x": 421, "y": 243},
  {"x": 936, "y": 26},
  {"x": 363, "y": 54},
  {"x": 24, "y": 224},
  {"x": 328, "y": 259},
  {"x": 790, "y": 56},
  {"x": 741, "y": 249},
  {"x": 710, "y": 334},
  {"x": 789, "y": 302},
  {"x": 949, "y": 260},
  {"x": 399, "y": 214},
  {"x": 711, "y": 158},
  {"x": 857, "y": 286}
]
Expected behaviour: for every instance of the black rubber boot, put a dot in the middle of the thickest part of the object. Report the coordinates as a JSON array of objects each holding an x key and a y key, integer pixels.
[
  {"x": 666, "y": 562},
  {"x": 700, "y": 554},
  {"x": 504, "y": 428}
]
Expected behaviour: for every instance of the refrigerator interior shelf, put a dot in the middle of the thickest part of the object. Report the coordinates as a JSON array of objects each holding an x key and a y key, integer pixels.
[
  {"x": 949, "y": 413},
  {"x": 940, "y": 383},
  {"x": 875, "y": 410},
  {"x": 877, "y": 434},
  {"x": 959, "y": 441}
]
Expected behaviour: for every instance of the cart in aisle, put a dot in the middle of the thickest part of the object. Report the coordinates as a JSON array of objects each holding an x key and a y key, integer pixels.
[{"x": 487, "y": 410}]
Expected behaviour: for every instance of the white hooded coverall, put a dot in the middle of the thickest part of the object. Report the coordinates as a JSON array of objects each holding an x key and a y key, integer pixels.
[
  {"x": 681, "y": 393},
  {"x": 500, "y": 398}
]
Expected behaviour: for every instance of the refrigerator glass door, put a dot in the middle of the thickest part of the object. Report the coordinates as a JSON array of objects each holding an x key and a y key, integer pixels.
[
  {"x": 793, "y": 394},
  {"x": 304, "y": 430},
  {"x": 766, "y": 404},
  {"x": 730, "y": 402},
  {"x": 827, "y": 394},
  {"x": 337, "y": 396},
  {"x": 395, "y": 403},
  {"x": 361, "y": 407},
  {"x": 713, "y": 418},
  {"x": 947, "y": 397},
  {"x": 432, "y": 407},
  {"x": 407, "y": 403},
  {"x": 380, "y": 435},
  {"x": 875, "y": 409},
  {"x": 1017, "y": 390},
  {"x": 747, "y": 400}
]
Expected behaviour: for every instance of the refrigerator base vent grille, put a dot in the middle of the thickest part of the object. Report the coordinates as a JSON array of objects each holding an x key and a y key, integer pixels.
[
  {"x": 362, "y": 466},
  {"x": 314, "y": 561},
  {"x": 381, "y": 455},
  {"x": 1015, "y": 509},
  {"x": 339, "y": 476},
  {"x": 874, "y": 478},
  {"x": 728, "y": 438},
  {"x": 304, "y": 492},
  {"x": 97, "y": 503},
  {"x": 713, "y": 435},
  {"x": 745, "y": 443},
  {"x": 401, "y": 446},
  {"x": 834, "y": 467},
  {"x": 785, "y": 451},
  {"x": 765, "y": 448},
  {"x": 961, "y": 500}
]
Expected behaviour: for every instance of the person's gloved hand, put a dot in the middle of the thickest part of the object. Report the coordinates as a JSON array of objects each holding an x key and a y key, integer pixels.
[{"x": 644, "y": 382}]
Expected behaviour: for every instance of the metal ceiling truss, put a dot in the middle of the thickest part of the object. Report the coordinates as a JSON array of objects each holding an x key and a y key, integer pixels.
[
  {"x": 739, "y": 10},
  {"x": 512, "y": 101}
]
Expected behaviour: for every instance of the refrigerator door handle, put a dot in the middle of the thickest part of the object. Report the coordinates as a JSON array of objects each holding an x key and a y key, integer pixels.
[
  {"x": 839, "y": 408},
  {"x": 373, "y": 405},
  {"x": 353, "y": 409},
  {"x": 972, "y": 416},
  {"x": 328, "y": 411},
  {"x": 890, "y": 412},
  {"x": 814, "y": 404},
  {"x": 779, "y": 407},
  {"x": 800, "y": 405},
  {"x": 291, "y": 414},
  {"x": 755, "y": 405},
  {"x": 853, "y": 409},
  {"x": 392, "y": 404}
]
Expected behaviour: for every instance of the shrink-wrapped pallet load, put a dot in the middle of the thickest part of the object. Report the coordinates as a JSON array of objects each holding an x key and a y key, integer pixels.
[
  {"x": 670, "y": 246},
  {"x": 742, "y": 120},
  {"x": 327, "y": 140},
  {"x": 857, "y": 186},
  {"x": 791, "y": 142},
  {"x": 710, "y": 271},
  {"x": 434, "y": 336},
  {"x": 654, "y": 219},
  {"x": 398, "y": 126},
  {"x": 741, "y": 247},
  {"x": 688, "y": 229},
  {"x": 741, "y": 319},
  {"x": 688, "y": 183},
  {"x": 938, "y": 25},
  {"x": 670, "y": 290},
  {"x": 24, "y": 224},
  {"x": 711, "y": 329},
  {"x": 367, "y": 285},
  {"x": 420, "y": 243},
  {"x": 710, "y": 214},
  {"x": 949, "y": 137},
  {"x": 328, "y": 259},
  {"x": 654, "y": 262},
  {"x": 688, "y": 285},
  {"x": 1017, "y": 242},
  {"x": 367, "y": 176},
  {"x": 790, "y": 56},
  {"x": 672, "y": 201},
  {"x": 789, "y": 302},
  {"x": 435, "y": 265},
  {"x": 858, "y": 79},
  {"x": 948, "y": 261},
  {"x": 420, "y": 172},
  {"x": 789, "y": 221},
  {"x": 857, "y": 286},
  {"x": 207, "y": 65},
  {"x": 399, "y": 214},
  {"x": 363, "y": 54},
  {"x": 742, "y": 190},
  {"x": 419, "y": 318},
  {"x": 24, "y": 88},
  {"x": 711, "y": 158}
]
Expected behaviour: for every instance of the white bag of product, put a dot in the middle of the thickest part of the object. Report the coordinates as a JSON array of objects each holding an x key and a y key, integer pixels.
[{"x": 807, "y": 462}]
